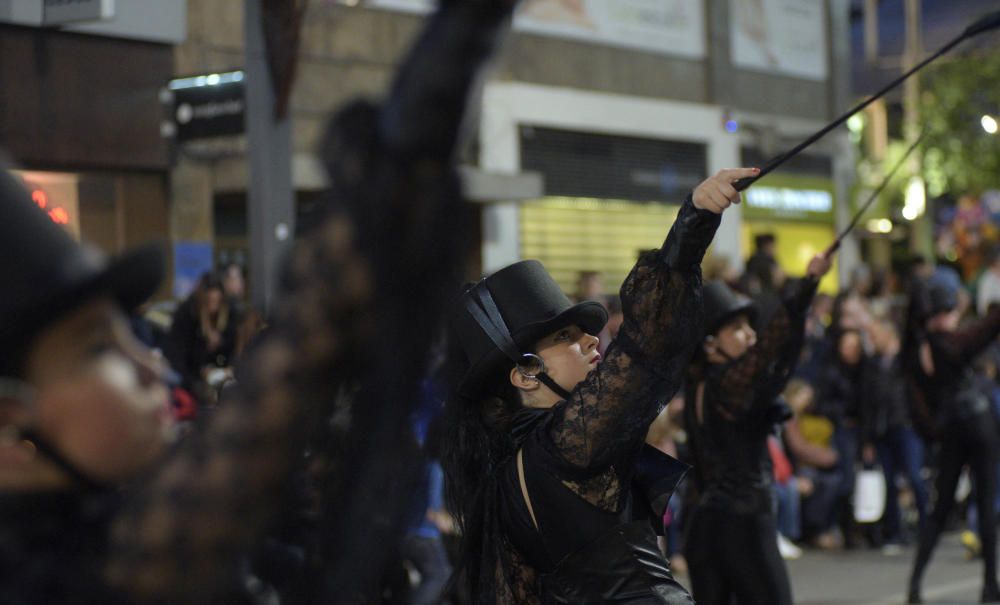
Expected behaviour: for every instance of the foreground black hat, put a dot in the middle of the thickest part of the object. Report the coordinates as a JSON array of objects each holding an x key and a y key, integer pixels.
[
  {"x": 722, "y": 304},
  {"x": 45, "y": 273},
  {"x": 531, "y": 306}
]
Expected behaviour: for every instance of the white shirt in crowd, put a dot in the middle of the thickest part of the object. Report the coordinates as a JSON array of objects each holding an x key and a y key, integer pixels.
[{"x": 989, "y": 291}]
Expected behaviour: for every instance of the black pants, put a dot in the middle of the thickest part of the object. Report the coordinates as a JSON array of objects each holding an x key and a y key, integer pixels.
[
  {"x": 736, "y": 555},
  {"x": 972, "y": 442}
]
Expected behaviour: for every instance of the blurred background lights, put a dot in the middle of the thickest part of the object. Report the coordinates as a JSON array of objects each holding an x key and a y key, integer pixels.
[
  {"x": 880, "y": 225},
  {"x": 989, "y": 124},
  {"x": 855, "y": 123},
  {"x": 916, "y": 199},
  {"x": 206, "y": 80}
]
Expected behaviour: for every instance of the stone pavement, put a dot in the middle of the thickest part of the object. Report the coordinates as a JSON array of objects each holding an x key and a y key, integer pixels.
[{"x": 867, "y": 577}]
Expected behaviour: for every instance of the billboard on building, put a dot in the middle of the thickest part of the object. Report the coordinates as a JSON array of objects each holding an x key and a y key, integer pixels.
[
  {"x": 786, "y": 37},
  {"x": 162, "y": 21},
  {"x": 57, "y": 12},
  {"x": 670, "y": 27}
]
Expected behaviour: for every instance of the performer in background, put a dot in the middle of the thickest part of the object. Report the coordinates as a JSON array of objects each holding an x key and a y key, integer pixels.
[
  {"x": 82, "y": 406},
  {"x": 555, "y": 494},
  {"x": 963, "y": 420},
  {"x": 731, "y": 408}
]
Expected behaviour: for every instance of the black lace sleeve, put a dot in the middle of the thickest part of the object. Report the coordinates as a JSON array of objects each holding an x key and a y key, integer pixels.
[
  {"x": 350, "y": 294},
  {"x": 758, "y": 377},
  {"x": 608, "y": 414}
]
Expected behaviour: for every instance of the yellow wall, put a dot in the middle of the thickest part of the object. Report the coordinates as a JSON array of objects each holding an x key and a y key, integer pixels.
[
  {"x": 570, "y": 235},
  {"x": 796, "y": 244}
]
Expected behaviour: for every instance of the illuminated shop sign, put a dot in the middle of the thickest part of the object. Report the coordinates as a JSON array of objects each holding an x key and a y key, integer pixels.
[
  {"x": 207, "y": 105},
  {"x": 789, "y": 202}
]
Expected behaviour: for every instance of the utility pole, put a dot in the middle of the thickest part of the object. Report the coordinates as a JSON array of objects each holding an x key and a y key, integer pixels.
[
  {"x": 871, "y": 31},
  {"x": 920, "y": 227},
  {"x": 270, "y": 198}
]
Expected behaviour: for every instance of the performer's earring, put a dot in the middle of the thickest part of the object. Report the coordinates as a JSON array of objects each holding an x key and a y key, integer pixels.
[
  {"x": 531, "y": 366},
  {"x": 17, "y": 410},
  {"x": 525, "y": 374},
  {"x": 11, "y": 437}
]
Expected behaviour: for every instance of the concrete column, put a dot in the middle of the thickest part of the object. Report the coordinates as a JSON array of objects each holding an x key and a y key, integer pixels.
[
  {"x": 844, "y": 157},
  {"x": 270, "y": 198},
  {"x": 501, "y": 236},
  {"x": 724, "y": 152},
  {"x": 844, "y": 172},
  {"x": 921, "y": 231}
]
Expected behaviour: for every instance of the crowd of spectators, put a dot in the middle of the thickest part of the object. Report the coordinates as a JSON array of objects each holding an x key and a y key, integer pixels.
[
  {"x": 850, "y": 401},
  {"x": 853, "y": 406}
]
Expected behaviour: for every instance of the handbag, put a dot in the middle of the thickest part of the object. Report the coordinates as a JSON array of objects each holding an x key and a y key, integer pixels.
[{"x": 869, "y": 495}]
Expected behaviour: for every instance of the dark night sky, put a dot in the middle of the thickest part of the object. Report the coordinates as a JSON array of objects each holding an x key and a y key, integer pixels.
[{"x": 942, "y": 19}]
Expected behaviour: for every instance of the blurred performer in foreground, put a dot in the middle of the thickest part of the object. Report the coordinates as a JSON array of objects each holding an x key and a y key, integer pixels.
[
  {"x": 732, "y": 407},
  {"x": 555, "y": 494},
  {"x": 963, "y": 422},
  {"x": 82, "y": 407}
]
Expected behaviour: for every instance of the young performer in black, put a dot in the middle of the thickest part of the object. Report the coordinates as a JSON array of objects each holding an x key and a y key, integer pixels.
[
  {"x": 82, "y": 406},
  {"x": 545, "y": 463},
  {"x": 730, "y": 410},
  {"x": 964, "y": 424}
]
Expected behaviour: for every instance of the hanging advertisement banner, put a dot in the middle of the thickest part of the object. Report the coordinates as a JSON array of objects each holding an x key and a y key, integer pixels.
[
  {"x": 161, "y": 21},
  {"x": 58, "y": 12},
  {"x": 785, "y": 37},
  {"x": 669, "y": 27}
]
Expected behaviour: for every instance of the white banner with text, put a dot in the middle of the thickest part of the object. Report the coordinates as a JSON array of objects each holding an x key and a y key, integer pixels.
[{"x": 669, "y": 27}]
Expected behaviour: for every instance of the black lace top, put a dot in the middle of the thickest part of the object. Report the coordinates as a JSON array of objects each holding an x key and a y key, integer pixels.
[
  {"x": 580, "y": 456},
  {"x": 949, "y": 387},
  {"x": 732, "y": 410}
]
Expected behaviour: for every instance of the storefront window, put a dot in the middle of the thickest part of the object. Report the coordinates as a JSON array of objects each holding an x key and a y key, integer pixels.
[{"x": 572, "y": 235}]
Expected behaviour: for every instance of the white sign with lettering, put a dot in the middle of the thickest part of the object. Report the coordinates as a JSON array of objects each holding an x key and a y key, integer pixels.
[
  {"x": 669, "y": 27},
  {"x": 789, "y": 200},
  {"x": 58, "y": 12},
  {"x": 162, "y": 21},
  {"x": 780, "y": 36}
]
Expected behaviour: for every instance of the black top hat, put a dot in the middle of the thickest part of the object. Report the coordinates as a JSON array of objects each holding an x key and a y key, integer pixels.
[
  {"x": 44, "y": 273},
  {"x": 530, "y": 304},
  {"x": 722, "y": 304}
]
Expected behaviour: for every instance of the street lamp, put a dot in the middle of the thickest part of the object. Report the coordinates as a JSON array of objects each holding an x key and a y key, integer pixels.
[{"x": 916, "y": 199}]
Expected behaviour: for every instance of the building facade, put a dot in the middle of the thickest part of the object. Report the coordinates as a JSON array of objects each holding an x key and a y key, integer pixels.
[
  {"x": 596, "y": 120},
  {"x": 80, "y": 116}
]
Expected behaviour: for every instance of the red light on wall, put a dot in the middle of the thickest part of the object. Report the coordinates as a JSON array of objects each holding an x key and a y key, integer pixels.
[
  {"x": 59, "y": 215},
  {"x": 39, "y": 197}
]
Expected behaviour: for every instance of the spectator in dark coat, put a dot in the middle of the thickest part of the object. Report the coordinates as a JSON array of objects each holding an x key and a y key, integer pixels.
[
  {"x": 840, "y": 401},
  {"x": 887, "y": 430},
  {"x": 202, "y": 335}
]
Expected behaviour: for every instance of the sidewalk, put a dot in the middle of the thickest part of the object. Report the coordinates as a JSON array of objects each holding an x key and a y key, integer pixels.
[{"x": 866, "y": 577}]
